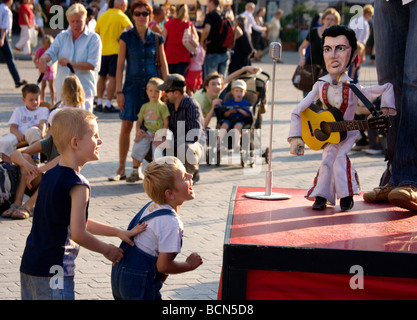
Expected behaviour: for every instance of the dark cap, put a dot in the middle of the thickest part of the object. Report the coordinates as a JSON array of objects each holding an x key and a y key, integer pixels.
[{"x": 173, "y": 81}]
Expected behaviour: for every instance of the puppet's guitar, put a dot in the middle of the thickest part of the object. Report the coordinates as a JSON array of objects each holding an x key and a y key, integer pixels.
[{"x": 320, "y": 127}]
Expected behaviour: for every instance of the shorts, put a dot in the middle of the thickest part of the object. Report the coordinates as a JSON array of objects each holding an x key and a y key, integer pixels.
[
  {"x": 40, "y": 288},
  {"x": 232, "y": 122},
  {"x": 8, "y": 142},
  {"x": 141, "y": 148},
  {"x": 194, "y": 79},
  {"x": 108, "y": 65}
]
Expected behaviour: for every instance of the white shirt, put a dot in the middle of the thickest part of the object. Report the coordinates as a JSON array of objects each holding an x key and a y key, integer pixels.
[
  {"x": 163, "y": 233},
  {"x": 251, "y": 23},
  {"x": 86, "y": 48},
  {"x": 25, "y": 118},
  {"x": 361, "y": 28},
  {"x": 6, "y": 17}
]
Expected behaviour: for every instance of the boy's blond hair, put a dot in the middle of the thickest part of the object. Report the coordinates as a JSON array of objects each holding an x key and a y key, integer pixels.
[
  {"x": 70, "y": 123},
  {"x": 72, "y": 92},
  {"x": 160, "y": 176},
  {"x": 154, "y": 81}
]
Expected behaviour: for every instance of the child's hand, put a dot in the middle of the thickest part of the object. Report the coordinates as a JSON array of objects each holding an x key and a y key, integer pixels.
[
  {"x": 126, "y": 235},
  {"x": 140, "y": 134},
  {"x": 20, "y": 136},
  {"x": 114, "y": 254},
  {"x": 194, "y": 260}
]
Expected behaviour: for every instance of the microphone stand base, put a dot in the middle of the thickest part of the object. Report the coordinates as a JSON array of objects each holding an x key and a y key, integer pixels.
[{"x": 264, "y": 196}]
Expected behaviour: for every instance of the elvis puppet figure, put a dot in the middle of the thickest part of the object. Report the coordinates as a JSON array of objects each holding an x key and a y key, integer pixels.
[{"x": 336, "y": 177}]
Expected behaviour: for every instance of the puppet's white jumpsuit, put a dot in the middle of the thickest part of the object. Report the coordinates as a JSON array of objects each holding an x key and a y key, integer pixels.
[{"x": 336, "y": 175}]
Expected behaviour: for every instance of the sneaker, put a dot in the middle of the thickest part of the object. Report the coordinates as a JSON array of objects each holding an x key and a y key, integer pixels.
[
  {"x": 404, "y": 197},
  {"x": 134, "y": 176},
  {"x": 117, "y": 177},
  {"x": 98, "y": 108},
  {"x": 379, "y": 194},
  {"x": 374, "y": 152},
  {"x": 111, "y": 109},
  {"x": 21, "y": 83}
]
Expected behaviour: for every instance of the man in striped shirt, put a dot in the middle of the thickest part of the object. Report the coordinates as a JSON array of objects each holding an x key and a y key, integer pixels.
[{"x": 186, "y": 123}]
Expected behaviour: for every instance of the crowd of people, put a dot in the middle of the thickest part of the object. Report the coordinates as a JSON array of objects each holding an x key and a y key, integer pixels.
[
  {"x": 122, "y": 57},
  {"x": 164, "y": 86}
]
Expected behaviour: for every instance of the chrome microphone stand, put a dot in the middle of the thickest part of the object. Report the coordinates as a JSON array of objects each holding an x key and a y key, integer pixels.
[{"x": 275, "y": 54}]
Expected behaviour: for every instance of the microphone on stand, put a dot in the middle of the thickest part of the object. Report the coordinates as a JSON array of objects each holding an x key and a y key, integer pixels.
[{"x": 275, "y": 49}]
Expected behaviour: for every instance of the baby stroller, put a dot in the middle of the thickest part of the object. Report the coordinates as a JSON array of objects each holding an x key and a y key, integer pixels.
[{"x": 256, "y": 94}]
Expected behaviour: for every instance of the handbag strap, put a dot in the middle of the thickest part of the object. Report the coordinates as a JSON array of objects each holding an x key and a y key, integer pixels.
[{"x": 157, "y": 50}]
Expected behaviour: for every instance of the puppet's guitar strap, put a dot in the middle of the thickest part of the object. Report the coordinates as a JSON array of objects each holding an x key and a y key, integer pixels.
[{"x": 365, "y": 100}]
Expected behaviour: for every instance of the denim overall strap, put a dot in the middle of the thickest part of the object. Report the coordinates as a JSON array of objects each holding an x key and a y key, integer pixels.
[
  {"x": 136, "y": 219},
  {"x": 161, "y": 212}
]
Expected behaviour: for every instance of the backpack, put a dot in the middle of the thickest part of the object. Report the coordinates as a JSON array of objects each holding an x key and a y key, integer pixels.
[
  {"x": 227, "y": 33},
  {"x": 9, "y": 179}
]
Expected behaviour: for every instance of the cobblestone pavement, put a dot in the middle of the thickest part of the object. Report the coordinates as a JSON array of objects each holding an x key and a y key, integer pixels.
[{"x": 204, "y": 218}]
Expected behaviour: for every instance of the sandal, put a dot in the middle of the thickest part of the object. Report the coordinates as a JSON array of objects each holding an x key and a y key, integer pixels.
[
  {"x": 8, "y": 213},
  {"x": 22, "y": 212}
]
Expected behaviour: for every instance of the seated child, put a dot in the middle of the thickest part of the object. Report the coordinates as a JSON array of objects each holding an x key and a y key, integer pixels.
[
  {"x": 72, "y": 96},
  {"x": 60, "y": 221},
  {"x": 155, "y": 116},
  {"x": 168, "y": 185},
  {"x": 238, "y": 115},
  {"x": 26, "y": 123},
  {"x": 30, "y": 176}
]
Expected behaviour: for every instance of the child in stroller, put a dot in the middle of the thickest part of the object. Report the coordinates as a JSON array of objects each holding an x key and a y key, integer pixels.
[{"x": 237, "y": 115}]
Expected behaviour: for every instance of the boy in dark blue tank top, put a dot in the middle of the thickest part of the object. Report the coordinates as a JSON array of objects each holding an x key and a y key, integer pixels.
[{"x": 61, "y": 213}]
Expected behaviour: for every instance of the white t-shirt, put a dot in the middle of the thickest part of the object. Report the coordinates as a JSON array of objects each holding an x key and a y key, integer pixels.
[
  {"x": 163, "y": 233},
  {"x": 25, "y": 118}
]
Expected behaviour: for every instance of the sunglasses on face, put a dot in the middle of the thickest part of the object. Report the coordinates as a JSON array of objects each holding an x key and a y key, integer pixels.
[{"x": 141, "y": 13}]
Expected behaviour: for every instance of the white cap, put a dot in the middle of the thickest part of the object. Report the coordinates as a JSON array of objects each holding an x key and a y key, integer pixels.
[{"x": 239, "y": 84}]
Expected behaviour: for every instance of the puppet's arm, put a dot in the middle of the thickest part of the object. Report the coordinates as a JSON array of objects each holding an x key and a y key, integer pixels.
[
  {"x": 294, "y": 137},
  {"x": 386, "y": 91}
]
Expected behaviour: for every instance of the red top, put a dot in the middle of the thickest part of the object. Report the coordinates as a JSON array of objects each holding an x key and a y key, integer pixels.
[
  {"x": 174, "y": 49},
  {"x": 25, "y": 9}
]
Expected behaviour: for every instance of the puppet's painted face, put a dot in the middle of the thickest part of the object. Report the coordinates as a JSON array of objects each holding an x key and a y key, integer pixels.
[{"x": 336, "y": 54}]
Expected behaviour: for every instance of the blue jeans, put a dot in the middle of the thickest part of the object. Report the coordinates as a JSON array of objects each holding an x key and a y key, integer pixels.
[
  {"x": 8, "y": 57},
  {"x": 216, "y": 62},
  {"x": 395, "y": 32},
  {"x": 39, "y": 288}
]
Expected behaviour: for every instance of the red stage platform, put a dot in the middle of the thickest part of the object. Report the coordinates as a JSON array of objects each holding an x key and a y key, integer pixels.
[{"x": 282, "y": 249}]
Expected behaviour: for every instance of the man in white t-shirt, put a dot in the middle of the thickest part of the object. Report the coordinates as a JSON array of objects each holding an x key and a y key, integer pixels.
[{"x": 26, "y": 123}]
